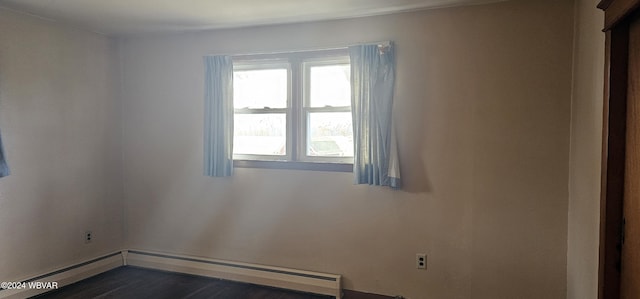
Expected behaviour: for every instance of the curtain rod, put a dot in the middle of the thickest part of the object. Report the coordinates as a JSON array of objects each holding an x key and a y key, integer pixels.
[{"x": 382, "y": 44}]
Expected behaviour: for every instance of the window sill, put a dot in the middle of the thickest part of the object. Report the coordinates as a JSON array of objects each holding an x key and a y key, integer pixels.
[{"x": 294, "y": 165}]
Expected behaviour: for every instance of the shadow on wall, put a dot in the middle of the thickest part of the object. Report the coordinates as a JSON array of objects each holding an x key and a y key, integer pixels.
[
  {"x": 414, "y": 176},
  {"x": 410, "y": 135}
]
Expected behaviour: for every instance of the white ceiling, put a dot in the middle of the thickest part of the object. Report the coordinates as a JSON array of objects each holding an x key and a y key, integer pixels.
[{"x": 125, "y": 17}]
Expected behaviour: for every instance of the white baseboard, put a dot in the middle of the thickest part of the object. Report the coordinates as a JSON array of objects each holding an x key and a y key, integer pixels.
[
  {"x": 64, "y": 276},
  {"x": 299, "y": 280}
]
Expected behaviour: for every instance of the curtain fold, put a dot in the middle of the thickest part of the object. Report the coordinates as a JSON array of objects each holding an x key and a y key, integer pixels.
[
  {"x": 4, "y": 167},
  {"x": 372, "y": 82},
  {"x": 218, "y": 119}
]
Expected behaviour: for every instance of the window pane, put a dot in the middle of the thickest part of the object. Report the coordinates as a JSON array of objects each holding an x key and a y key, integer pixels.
[
  {"x": 330, "y": 134},
  {"x": 260, "y": 134},
  {"x": 260, "y": 88},
  {"x": 330, "y": 85}
]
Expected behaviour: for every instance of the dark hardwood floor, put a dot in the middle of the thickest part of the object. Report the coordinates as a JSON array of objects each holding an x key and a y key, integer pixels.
[{"x": 132, "y": 282}]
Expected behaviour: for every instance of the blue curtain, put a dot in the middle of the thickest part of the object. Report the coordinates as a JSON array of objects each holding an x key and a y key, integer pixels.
[
  {"x": 4, "y": 168},
  {"x": 218, "y": 118},
  {"x": 372, "y": 83}
]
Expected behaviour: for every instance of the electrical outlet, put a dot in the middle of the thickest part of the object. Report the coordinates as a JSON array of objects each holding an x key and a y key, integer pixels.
[
  {"x": 88, "y": 236},
  {"x": 421, "y": 260}
]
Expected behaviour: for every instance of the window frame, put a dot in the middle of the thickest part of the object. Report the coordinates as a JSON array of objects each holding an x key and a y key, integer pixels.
[
  {"x": 298, "y": 104},
  {"x": 265, "y": 65},
  {"x": 307, "y": 109}
]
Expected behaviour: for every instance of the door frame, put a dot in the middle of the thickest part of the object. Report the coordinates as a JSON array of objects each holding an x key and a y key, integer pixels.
[{"x": 618, "y": 14}]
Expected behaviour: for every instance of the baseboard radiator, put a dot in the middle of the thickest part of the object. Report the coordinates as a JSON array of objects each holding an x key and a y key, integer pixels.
[
  {"x": 61, "y": 277},
  {"x": 305, "y": 281}
]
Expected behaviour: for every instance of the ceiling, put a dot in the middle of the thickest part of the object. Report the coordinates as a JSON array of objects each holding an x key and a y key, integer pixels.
[{"x": 127, "y": 17}]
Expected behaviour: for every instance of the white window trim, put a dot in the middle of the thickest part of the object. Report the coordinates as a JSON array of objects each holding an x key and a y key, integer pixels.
[
  {"x": 270, "y": 64},
  {"x": 306, "y": 109},
  {"x": 297, "y": 107}
]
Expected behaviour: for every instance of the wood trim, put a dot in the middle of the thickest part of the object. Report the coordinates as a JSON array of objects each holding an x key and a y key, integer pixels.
[
  {"x": 618, "y": 16},
  {"x": 630, "y": 255},
  {"x": 603, "y": 261},
  {"x": 604, "y": 4},
  {"x": 613, "y": 161},
  {"x": 617, "y": 10}
]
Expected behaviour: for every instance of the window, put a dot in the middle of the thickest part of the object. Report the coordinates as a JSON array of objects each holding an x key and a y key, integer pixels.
[{"x": 293, "y": 108}]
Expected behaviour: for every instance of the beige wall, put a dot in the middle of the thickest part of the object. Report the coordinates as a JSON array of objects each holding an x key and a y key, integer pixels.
[
  {"x": 482, "y": 108},
  {"x": 586, "y": 138},
  {"x": 61, "y": 127}
]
